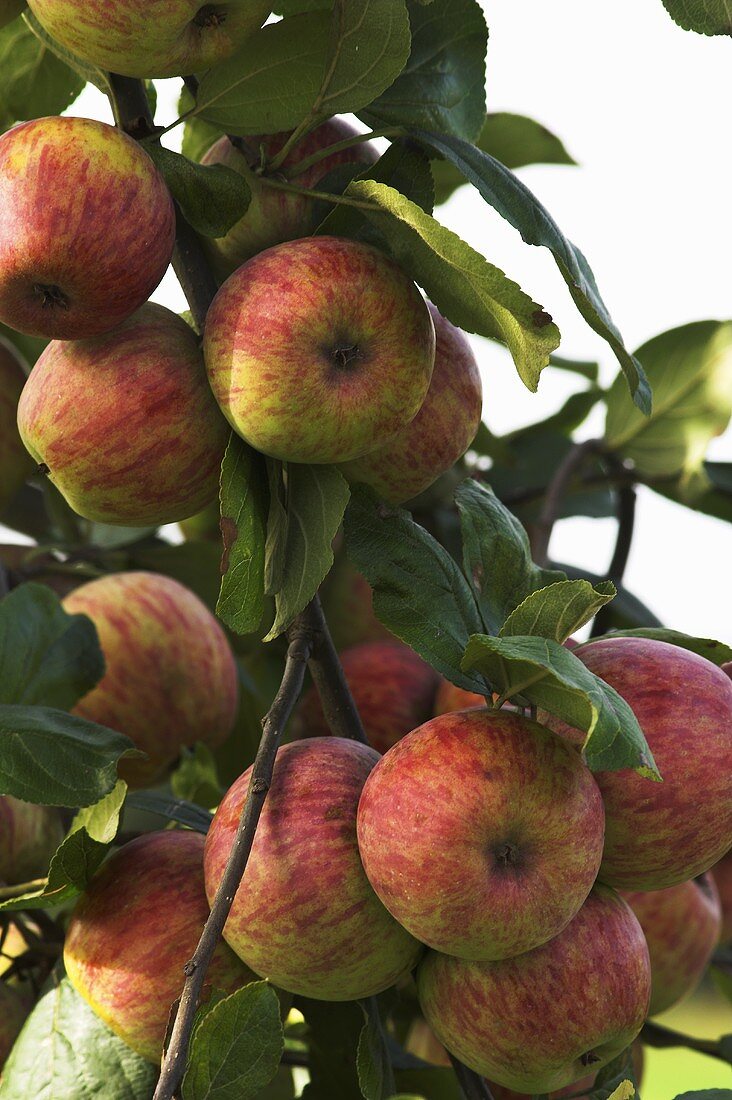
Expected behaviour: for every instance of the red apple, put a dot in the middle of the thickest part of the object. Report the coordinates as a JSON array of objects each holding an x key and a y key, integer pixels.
[
  {"x": 170, "y": 675},
  {"x": 29, "y": 836},
  {"x": 305, "y": 915},
  {"x": 132, "y": 931},
  {"x": 578, "y": 1090},
  {"x": 450, "y": 698},
  {"x": 660, "y": 834},
  {"x": 87, "y": 227},
  {"x": 319, "y": 350},
  {"x": 722, "y": 875},
  {"x": 439, "y": 434},
  {"x": 482, "y": 833},
  {"x": 126, "y": 423},
  {"x": 537, "y": 1022},
  {"x": 392, "y": 688},
  {"x": 15, "y": 1004},
  {"x": 15, "y": 463}
]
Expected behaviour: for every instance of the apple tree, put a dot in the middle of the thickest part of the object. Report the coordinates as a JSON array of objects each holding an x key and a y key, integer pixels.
[{"x": 321, "y": 796}]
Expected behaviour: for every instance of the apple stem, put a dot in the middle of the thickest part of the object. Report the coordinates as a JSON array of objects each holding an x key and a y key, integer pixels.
[{"x": 555, "y": 493}]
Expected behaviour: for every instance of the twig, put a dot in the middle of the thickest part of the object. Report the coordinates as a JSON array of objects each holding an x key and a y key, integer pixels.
[
  {"x": 326, "y": 196},
  {"x": 555, "y": 493},
  {"x": 20, "y": 888},
  {"x": 337, "y": 147},
  {"x": 626, "y": 525},
  {"x": 472, "y": 1084},
  {"x": 336, "y": 700},
  {"x": 655, "y": 1035}
]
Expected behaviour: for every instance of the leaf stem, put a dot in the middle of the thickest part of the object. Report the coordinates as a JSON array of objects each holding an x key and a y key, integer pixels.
[
  {"x": 326, "y": 196},
  {"x": 20, "y": 888},
  {"x": 554, "y": 496},
  {"x": 337, "y": 147}
]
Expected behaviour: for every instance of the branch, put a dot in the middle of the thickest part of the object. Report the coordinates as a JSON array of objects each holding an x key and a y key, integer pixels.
[
  {"x": 627, "y": 499},
  {"x": 555, "y": 493},
  {"x": 655, "y": 1035},
  {"x": 473, "y": 1086},
  {"x": 336, "y": 700}
]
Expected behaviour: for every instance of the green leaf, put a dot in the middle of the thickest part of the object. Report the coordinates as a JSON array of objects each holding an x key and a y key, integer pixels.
[
  {"x": 690, "y": 369},
  {"x": 468, "y": 290},
  {"x": 515, "y": 140},
  {"x": 89, "y": 74},
  {"x": 174, "y": 809},
  {"x": 566, "y": 419},
  {"x": 706, "y": 1094},
  {"x": 420, "y": 593},
  {"x": 198, "y": 135},
  {"x": 33, "y": 81},
  {"x": 194, "y": 564},
  {"x": 442, "y": 86},
  {"x": 57, "y": 759},
  {"x": 557, "y": 611},
  {"x": 212, "y": 197},
  {"x": 30, "y": 347},
  {"x": 196, "y": 778},
  {"x": 502, "y": 190},
  {"x": 709, "y": 492},
  {"x": 552, "y": 678},
  {"x": 48, "y": 658},
  {"x": 66, "y": 1051},
  {"x": 626, "y": 610},
  {"x": 243, "y": 527},
  {"x": 716, "y": 652},
  {"x": 236, "y": 1048},
  {"x": 496, "y": 555},
  {"x": 703, "y": 16},
  {"x": 375, "y": 1076},
  {"x": 316, "y": 500},
  {"x": 586, "y": 368},
  {"x": 333, "y": 1034}
]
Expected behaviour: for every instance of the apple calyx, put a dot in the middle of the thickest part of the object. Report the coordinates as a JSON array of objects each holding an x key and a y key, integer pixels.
[
  {"x": 589, "y": 1058},
  {"x": 51, "y": 295},
  {"x": 343, "y": 354},
  {"x": 507, "y": 855},
  {"x": 210, "y": 15}
]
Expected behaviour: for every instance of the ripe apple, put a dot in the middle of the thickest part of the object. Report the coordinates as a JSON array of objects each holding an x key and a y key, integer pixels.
[
  {"x": 15, "y": 464},
  {"x": 132, "y": 931},
  {"x": 319, "y": 350},
  {"x": 305, "y": 915},
  {"x": 722, "y": 875},
  {"x": 87, "y": 230},
  {"x": 539, "y": 1021},
  {"x": 158, "y": 39},
  {"x": 450, "y": 698},
  {"x": 439, "y": 434},
  {"x": 170, "y": 675},
  {"x": 126, "y": 423},
  {"x": 15, "y": 1004},
  {"x": 275, "y": 216},
  {"x": 392, "y": 688},
  {"x": 681, "y": 925},
  {"x": 660, "y": 834},
  {"x": 29, "y": 835},
  {"x": 578, "y": 1090},
  {"x": 482, "y": 833}
]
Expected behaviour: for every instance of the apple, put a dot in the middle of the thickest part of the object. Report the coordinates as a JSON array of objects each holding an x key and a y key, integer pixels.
[
  {"x": 305, "y": 915},
  {"x": 319, "y": 350},
  {"x": 439, "y": 434},
  {"x": 275, "y": 216},
  {"x": 15, "y": 1005},
  {"x": 170, "y": 675},
  {"x": 722, "y": 875},
  {"x": 540, "y": 1020},
  {"x": 482, "y": 833},
  {"x": 578, "y": 1090},
  {"x": 660, "y": 834},
  {"x": 450, "y": 698},
  {"x": 133, "y": 930},
  {"x": 125, "y": 422},
  {"x": 29, "y": 836},
  {"x": 87, "y": 230},
  {"x": 681, "y": 925},
  {"x": 15, "y": 464},
  {"x": 158, "y": 39}
]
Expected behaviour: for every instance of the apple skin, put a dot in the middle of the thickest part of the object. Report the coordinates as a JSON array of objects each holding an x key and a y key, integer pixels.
[
  {"x": 150, "y": 38},
  {"x": 87, "y": 231},
  {"x": 660, "y": 834},
  {"x": 126, "y": 422},
  {"x": 138, "y": 922},
  {"x": 580, "y": 1090},
  {"x": 319, "y": 350},
  {"x": 15, "y": 463},
  {"x": 439, "y": 434},
  {"x": 534, "y": 1023},
  {"x": 722, "y": 875},
  {"x": 305, "y": 915},
  {"x": 15, "y": 1005},
  {"x": 275, "y": 216},
  {"x": 502, "y": 799},
  {"x": 681, "y": 925},
  {"x": 450, "y": 698},
  {"x": 29, "y": 836},
  {"x": 170, "y": 675},
  {"x": 392, "y": 687}
]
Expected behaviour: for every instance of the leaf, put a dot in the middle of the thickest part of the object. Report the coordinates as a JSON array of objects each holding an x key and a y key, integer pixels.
[
  {"x": 716, "y": 652},
  {"x": 586, "y": 368},
  {"x": 198, "y": 135},
  {"x": 502, "y": 190},
  {"x": 243, "y": 526},
  {"x": 174, "y": 809},
  {"x": 496, "y": 555},
  {"x": 420, "y": 593},
  {"x": 33, "y": 81},
  {"x": 710, "y": 492},
  {"x": 57, "y": 759},
  {"x": 236, "y": 1048},
  {"x": 616, "y": 1079},
  {"x": 552, "y": 678},
  {"x": 706, "y": 1094},
  {"x": 48, "y": 658},
  {"x": 433, "y": 1083},
  {"x": 442, "y": 86},
  {"x": 557, "y": 611},
  {"x": 624, "y": 1091},
  {"x": 89, "y": 74},
  {"x": 468, "y": 290},
  {"x": 196, "y": 778},
  {"x": 690, "y": 369},
  {"x": 375, "y": 1076},
  {"x": 66, "y": 1051},
  {"x": 626, "y": 610},
  {"x": 194, "y": 564},
  {"x": 316, "y": 500},
  {"x": 30, "y": 347},
  {"x": 703, "y": 16},
  {"x": 212, "y": 197},
  {"x": 333, "y": 1034}
]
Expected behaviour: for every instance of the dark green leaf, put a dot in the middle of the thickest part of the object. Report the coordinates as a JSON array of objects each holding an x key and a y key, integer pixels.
[
  {"x": 243, "y": 527},
  {"x": 33, "y": 81},
  {"x": 275, "y": 547},
  {"x": 212, "y": 197},
  {"x": 557, "y": 611},
  {"x": 584, "y": 367},
  {"x": 568, "y": 417},
  {"x": 333, "y": 1033},
  {"x": 174, "y": 809},
  {"x": 716, "y": 652},
  {"x": 88, "y": 73},
  {"x": 703, "y": 16},
  {"x": 375, "y": 1076},
  {"x": 709, "y": 492},
  {"x": 196, "y": 778},
  {"x": 30, "y": 347}
]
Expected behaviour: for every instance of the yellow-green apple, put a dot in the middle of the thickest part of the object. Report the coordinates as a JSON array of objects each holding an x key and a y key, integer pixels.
[
  {"x": 305, "y": 915},
  {"x": 9, "y": 10},
  {"x": 540, "y": 1020},
  {"x": 15, "y": 1004},
  {"x": 439, "y": 434},
  {"x": 349, "y": 606},
  {"x": 87, "y": 230},
  {"x": 15, "y": 463},
  {"x": 319, "y": 350},
  {"x": 133, "y": 929},
  {"x": 482, "y": 833},
  {"x": 125, "y": 423},
  {"x": 392, "y": 688},
  {"x": 274, "y": 216},
  {"x": 681, "y": 925},
  {"x": 170, "y": 675},
  {"x": 722, "y": 875},
  {"x": 660, "y": 834},
  {"x": 29, "y": 835},
  {"x": 151, "y": 39}
]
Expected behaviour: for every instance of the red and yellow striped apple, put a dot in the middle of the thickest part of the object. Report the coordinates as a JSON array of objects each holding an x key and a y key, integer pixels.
[
  {"x": 15, "y": 463},
  {"x": 29, "y": 835}
]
